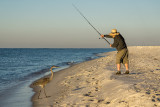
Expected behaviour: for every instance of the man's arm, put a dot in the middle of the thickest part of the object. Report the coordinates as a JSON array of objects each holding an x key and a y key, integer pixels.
[{"x": 108, "y": 36}]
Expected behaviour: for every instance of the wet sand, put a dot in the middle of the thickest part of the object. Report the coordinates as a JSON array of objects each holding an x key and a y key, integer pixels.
[{"x": 94, "y": 83}]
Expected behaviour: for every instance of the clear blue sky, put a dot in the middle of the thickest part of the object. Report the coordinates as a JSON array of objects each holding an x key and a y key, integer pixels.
[{"x": 56, "y": 24}]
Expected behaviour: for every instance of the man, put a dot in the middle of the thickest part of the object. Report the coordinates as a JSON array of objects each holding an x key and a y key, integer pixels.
[{"x": 120, "y": 45}]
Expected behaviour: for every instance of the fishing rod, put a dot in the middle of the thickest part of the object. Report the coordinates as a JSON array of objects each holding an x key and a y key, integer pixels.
[{"x": 89, "y": 23}]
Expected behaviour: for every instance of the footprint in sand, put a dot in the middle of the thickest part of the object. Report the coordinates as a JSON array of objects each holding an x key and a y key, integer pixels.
[
  {"x": 108, "y": 102},
  {"x": 91, "y": 100},
  {"x": 122, "y": 102},
  {"x": 96, "y": 89},
  {"x": 69, "y": 77},
  {"x": 158, "y": 99},
  {"x": 157, "y": 94},
  {"x": 153, "y": 100},
  {"x": 88, "y": 81},
  {"x": 148, "y": 92},
  {"x": 88, "y": 94},
  {"x": 101, "y": 100}
]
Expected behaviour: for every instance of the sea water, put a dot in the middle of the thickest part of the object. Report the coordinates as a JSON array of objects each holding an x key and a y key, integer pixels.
[{"x": 20, "y": 67}]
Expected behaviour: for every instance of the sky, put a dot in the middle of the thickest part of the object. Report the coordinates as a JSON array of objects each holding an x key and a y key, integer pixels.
[{"x": 56, "y": 24}]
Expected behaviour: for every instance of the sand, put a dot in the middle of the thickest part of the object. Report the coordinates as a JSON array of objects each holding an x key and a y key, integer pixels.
[{"x": 94, "y": 83}]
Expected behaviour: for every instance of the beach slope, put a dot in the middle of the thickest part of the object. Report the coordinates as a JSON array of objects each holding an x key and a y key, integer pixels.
[{"x": 94, "y": 83}]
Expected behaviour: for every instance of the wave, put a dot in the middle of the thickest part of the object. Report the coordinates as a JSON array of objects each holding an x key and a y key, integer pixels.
[
  {"x": 39, "y": 72},
  {"x": 66, "y": 63},
  {"x": 88, "y": 58},
  {"x": 45, "y": 70}
]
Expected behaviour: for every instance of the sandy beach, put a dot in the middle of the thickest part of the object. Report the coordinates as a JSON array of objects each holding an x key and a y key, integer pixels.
[{"x": 94, "y": 83}]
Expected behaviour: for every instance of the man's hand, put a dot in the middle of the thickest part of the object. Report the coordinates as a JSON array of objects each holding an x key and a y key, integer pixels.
[
  {"x": 102, "y": 36},
  {"x": 110, "y": 45}
]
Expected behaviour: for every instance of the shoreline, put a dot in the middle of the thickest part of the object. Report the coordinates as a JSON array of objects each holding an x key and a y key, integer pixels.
[
  {"x": 92, "y": 83},
  {"x": 57, "y": 73}
]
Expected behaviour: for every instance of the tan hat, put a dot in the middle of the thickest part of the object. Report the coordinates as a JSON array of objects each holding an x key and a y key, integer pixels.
[{"x": 114, "y": 31}]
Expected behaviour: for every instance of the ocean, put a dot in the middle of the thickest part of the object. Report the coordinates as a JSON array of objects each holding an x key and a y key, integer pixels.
[{"x": 20, "y": 67}]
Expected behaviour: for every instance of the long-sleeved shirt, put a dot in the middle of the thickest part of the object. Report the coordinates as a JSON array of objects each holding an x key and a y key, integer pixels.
[{"x": 119, "y": 42}]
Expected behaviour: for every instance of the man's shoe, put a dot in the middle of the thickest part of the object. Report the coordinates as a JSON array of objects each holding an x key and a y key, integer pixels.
[
  {"x": 118, "y": 72},
  {"x": 127, "y": 72}
]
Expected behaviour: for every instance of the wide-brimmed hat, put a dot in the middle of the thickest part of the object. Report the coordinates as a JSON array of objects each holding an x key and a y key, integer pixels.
[{"x": 114, "y": 31}]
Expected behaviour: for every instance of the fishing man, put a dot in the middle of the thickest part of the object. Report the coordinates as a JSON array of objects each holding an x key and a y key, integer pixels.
[{"x": 120, "y": 45}]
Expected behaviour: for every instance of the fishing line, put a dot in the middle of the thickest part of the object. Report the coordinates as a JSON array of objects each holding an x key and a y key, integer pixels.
[{"x": 89, "y": 22}]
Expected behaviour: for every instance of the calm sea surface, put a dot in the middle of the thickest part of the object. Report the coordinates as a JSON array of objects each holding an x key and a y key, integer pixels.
[{"x": 20, "y": 67}]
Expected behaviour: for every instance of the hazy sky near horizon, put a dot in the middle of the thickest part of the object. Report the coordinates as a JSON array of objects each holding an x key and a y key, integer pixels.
[{"x": 56, "y": 24}]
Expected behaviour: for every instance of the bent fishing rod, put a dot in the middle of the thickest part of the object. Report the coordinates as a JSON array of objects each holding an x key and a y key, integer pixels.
[{"x": 89, "y": 23}]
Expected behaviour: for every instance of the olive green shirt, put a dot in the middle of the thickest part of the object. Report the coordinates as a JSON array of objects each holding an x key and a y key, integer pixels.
[{"x": 119, "y": 42}]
